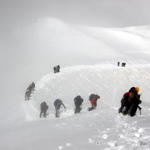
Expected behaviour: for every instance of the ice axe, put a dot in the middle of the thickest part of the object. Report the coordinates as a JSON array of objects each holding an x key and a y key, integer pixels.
[{"x": 140, "y": 109}]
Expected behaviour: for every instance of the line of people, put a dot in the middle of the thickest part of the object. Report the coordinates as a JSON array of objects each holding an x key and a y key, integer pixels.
[
  {"x": 129, "y": 104},
  {"x": 78, "y": 101},
  {"x": 123, "y": 64}
]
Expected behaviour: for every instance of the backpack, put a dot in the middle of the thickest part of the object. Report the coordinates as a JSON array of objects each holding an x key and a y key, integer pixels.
[
  {"x": 78, "y": 100},
  {"x": 125, "y": 98},
  {"x": 57, "y": 103},
  {"x": 44, "y": 106},
  {"x": 93, "y": 100},
  {"x": 94, "y": 96}
]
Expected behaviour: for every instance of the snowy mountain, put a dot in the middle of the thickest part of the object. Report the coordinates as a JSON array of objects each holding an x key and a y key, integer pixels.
[{"x": 88, "y": 57}]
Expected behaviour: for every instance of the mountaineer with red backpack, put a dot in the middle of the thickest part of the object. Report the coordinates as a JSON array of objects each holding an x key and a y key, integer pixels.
[
  {"x": 125, "y": 102},
  {"x": 93, "y": 100},
  {"x": 78, "y": 100},
  {"x": 130, "y": 102}
]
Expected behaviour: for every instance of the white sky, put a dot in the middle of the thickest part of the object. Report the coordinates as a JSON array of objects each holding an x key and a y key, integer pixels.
[{"x": 89, "y": 12}]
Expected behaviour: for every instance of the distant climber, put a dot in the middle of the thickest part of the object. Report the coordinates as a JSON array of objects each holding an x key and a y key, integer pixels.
[
  {"x": 29, "y": 91},
  {"x": 56, "y": 69},
  {"x": 118, "y": 63},
  {"x": 58, "y": 103},
  {"x": 93, "y": 100},
  {"x": 78, "y": 100},
  {"x": 123, "y": 64},
  {"x": 44, "y": 108},
  {"x": 130, "y": 102}
]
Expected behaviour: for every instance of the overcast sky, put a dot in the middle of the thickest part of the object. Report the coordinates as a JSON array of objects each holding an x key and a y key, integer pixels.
[
  {"x": 18, "y": 16},
  {"x": 89, "y": 12},
  {"x": 117, "y": 13}
]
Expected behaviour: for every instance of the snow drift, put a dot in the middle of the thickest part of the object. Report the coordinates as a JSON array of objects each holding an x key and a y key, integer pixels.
[{"x": 102, "y": 128}]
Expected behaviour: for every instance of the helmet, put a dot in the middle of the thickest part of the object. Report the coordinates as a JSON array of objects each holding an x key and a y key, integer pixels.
[{"x": 137, "y": 89}]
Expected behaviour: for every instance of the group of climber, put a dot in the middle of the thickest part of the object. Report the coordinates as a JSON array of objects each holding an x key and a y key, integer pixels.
[
  {"x": 130, "y": 102},
  {"x": 78, "y": 101},
  {"x": 56, "y": 69},
  {"x": 122, "y": 64}
]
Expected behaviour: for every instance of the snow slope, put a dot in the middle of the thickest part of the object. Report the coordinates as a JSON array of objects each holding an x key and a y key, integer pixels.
[
  {"x": 55, "y": 41},
  {"x": 102, "y": 129}
]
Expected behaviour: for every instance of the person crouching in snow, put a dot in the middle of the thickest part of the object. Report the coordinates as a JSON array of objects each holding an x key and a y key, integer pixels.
[
  {"x": 135, "y": 102},
  {"x": 130, "y": 102},
  {"x": 93, "y": 100}
]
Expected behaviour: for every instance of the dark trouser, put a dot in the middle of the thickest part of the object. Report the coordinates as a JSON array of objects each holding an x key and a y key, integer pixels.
[
  {"x": 77, "y": 109},
  {"x": 124, "y": 109},
  {"x": 43, "y": 113},
  {"x": 120, "y": 109},
  {"x": 90, "y": 108},
  {"x": 94, "y": 105},
  {"x": 57, "y": 114},
  {"x": 133, "y": 109}
]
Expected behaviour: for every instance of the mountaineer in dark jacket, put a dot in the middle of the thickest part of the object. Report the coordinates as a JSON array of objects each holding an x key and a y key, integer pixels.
[
  {"x": 78, "y": 100},
  {"x": 44, "y": 108},
  {"x": 135, "y": 101},
  {"x": 29, "y": 91},
  {"x": 58, "y": 103},
  {"x": 125, "y": 103},
  {"x": 56, "y": 69},
  {"x": 130, "y": 102}
]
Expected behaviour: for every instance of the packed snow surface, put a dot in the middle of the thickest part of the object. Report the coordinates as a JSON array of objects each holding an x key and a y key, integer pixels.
[{"x": 101, "y": 129}]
